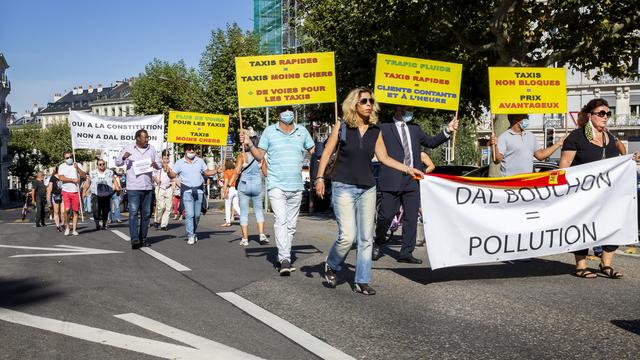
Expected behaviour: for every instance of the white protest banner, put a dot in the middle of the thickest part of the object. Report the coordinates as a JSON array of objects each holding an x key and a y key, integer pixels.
[
  {"x": 596, "y": 206},
  {"x": 89, "y": 131}
]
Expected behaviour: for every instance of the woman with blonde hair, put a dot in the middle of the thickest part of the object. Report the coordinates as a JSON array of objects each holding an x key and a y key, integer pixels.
[{"x": 353, "y": 184}]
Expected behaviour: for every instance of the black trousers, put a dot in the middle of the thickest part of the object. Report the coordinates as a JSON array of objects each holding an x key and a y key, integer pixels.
[
  {"x": 101, "y": 206},
  {"x": 41, "y": 209},
  {"x": 389, "y": 206},
  {"x": 585, "y": 252}
]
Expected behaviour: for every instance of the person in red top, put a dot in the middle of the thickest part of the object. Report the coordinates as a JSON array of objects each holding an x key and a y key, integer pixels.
[{"x": 229, "y": 192}]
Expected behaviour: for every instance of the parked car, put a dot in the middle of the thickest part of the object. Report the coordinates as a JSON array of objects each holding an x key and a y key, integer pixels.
[{"x": 453, "y": 169}]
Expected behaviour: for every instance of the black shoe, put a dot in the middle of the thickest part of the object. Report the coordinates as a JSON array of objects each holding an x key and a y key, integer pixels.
[
  {"x": 364, "y": 289},
  {"x": 285, "y": 268},
  {"x": 97, "y": 226},
  {"x": 156, "y": 225},
  {"x": 164, "y": 228},
  {"x": 43, "y": 224},
  {"x": 376, "y": 252},
  {"x": 410, "y": 260},
  {"x": 330, "y": 275},
  {"x": 59, "y": 228},
  {"x": 145, "y": 243},
  {"x": 135, "y": 245},
  {"x": 105, "y": 226},
  {"x": 38, "y": 225}
]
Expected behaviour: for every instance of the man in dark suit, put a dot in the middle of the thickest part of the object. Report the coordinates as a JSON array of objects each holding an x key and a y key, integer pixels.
[{"x": 403, "y": 140}]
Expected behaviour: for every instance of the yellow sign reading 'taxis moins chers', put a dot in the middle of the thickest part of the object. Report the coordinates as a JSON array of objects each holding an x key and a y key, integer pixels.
[
  {"x": 292, "y": 79},
  {"x": 528, "y": 90},
  {"x": 197, "y": 128},
  {"x": 410, "y": 81}
]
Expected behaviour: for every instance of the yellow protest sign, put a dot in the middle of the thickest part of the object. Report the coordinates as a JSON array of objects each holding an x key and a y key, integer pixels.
[
  {"x": 292, "y": 79},
  {"x": 197, "y": 128},
  {"x": 410, "y": 81},
  {"x": 528, "y": 90}
]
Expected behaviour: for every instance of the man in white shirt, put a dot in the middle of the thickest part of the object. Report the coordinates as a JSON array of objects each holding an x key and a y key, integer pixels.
[{"x": 70, "y": 173}]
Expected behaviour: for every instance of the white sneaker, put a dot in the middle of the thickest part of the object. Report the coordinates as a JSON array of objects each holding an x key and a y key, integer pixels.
[
  {"x": 191, "y": 240},
  {"x": 263, "y": 239},
  {"x": 75, "y": 233},
  {"x": 66, "y": 232},
  {"x": 244, "y": 242}
]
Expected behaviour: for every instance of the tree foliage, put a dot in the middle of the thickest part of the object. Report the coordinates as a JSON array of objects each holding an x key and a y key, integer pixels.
[
  {"x": 53, "y": 141},
  {"x": 25, "y": 158}
]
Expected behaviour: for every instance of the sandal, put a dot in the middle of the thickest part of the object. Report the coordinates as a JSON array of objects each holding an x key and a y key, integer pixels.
[
  {"x": 225, "y": 225},
  {"x": 585, "y": 274},
  {"x": 609, "y": 272}
]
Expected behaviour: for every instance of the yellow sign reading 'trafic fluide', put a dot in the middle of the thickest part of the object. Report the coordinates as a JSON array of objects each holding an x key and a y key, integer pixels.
[
  {"x": 292, "y": 79},
  {"x": 197, "y": 128},
  {"x": 417, "y": 82},
  {"x": 525, "y": 90}
]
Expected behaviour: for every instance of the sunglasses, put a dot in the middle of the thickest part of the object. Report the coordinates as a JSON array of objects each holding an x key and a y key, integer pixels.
[
  {"x": 364, "y": 101},
  {"x": 100, "y": 164},
  {"x": 67, "y": 157},
  {"x": 602, "y": 113}
]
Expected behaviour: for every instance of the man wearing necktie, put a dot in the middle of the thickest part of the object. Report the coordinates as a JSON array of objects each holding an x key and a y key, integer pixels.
[{"x": 403, "y": 140}]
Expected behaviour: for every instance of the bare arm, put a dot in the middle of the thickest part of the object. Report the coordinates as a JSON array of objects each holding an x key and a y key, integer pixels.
[
  {"x": 49, "y": 189},
  {"x": 567, "y": 158},
  {"x": 426, "y": 160},
  {"x": 238, "y": 169},
  {"x": 621, "y": 148},
  {"x": 383, "y": 157},
  {"x": 264, "y": 168},
  {"x": 116, "y": 186},
  {"x": 542, "y": 154}
]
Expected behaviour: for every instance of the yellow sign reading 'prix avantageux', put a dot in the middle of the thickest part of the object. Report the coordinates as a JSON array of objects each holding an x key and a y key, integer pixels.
[
  {"x": 417, "y": 82},
  {"x": 292, "y": 79},
  {"x": 523, "y": 90},
  {"x": 197, "y": 128}
]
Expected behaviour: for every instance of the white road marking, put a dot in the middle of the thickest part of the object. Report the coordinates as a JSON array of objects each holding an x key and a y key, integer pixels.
[
  {"x": 121, "y": 235},
  {"x": 297, "y": 335},
  {"x": 167, "y": 261},
  {"x": 128, "y": 342},
  {"x": 61, "y": 250}
]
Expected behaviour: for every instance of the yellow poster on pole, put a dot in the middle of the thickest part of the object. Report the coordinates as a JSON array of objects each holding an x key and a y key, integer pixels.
[
  {"x": 291, "y": 79},
  {"x": 197, "y": 128},
  {"x": 528, "y": 90},
  {"x": 417, "y": 82}
]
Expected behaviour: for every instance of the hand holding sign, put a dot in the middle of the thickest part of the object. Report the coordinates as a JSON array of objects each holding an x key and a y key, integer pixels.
[
  {"x": 142, "y": 166},
  {"x": 244, "y": 138},
  {"x": 453, "y": 124},
  {"x": 126, "y": 155}
]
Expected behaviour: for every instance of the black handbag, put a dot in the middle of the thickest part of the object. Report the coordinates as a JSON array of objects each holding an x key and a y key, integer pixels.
[{"x": 333, "y": 159}]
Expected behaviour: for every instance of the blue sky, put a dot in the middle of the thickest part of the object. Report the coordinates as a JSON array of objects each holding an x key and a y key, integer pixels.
[{"x": 55, "y": 45}]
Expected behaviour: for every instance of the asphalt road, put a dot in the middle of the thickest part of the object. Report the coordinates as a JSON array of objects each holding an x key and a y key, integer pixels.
[{"x": 501, "y": 310}]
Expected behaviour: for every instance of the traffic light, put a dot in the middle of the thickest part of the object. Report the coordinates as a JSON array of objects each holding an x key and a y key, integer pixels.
[{"x": 550, "y": 137}]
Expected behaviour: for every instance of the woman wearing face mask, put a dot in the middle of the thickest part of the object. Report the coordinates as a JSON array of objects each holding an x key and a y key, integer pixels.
[
  {"x": 517, "y": 147},
  {"x": 190, "y": 170},
  {"x": 353, "y": 185},
  {"x": 592, "y": 142}
]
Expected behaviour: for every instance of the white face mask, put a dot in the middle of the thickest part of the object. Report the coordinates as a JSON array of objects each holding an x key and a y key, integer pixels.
[
  {"x": 287, "y": 117},
  {"x": 524, "y": 124},
  {"x": 408, "y": 116},
  {"x": 69, "y": 161},
  {"x": 191, "y": 155}
]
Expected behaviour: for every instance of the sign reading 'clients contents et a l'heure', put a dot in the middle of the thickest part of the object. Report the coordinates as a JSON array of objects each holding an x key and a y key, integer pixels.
[
  {"x": 292, "y": 79},
  {"x": 524, "y": 90},
  {"x": 410, "y": 81},
  {"x": 197, "y": 128}
]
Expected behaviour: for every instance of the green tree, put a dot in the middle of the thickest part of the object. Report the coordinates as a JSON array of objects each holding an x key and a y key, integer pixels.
[
  {"x": 218, "y": 73},
  {"x": 25, "y": 158},
  {"x": 53, "y": 141},
  {"x": 166, "y": 86}
]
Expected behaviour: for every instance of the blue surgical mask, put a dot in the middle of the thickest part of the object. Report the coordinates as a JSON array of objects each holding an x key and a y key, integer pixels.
[
  {"x": 524, "y": 124},
  {"x": 191, "y": 156},
  {"x": 69, "y": 161},
  {"x": 408, "y": 116},
  {"x": 287, "y": 117}
]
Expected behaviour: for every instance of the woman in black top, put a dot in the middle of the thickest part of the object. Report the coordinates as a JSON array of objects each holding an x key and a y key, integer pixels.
[
  {"x": 353, "y": 185},
  {"x": 54, "y": 197},
  {"x": 591, "y": 142}
]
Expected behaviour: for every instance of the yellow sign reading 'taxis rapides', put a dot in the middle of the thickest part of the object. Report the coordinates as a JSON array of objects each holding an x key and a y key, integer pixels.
[
  {"x": 197, "y": 128},
  {"x": 292, "y": 79},
  {"x": 528, "y": 90},
  {"x": 410, "y": 81}
]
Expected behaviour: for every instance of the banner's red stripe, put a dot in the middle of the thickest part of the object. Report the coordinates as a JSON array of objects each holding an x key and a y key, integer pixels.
[{"x": 548, "y": 178}]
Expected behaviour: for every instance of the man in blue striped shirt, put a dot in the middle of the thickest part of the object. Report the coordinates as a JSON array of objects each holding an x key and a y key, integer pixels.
[{"x": 285, "y": 145}]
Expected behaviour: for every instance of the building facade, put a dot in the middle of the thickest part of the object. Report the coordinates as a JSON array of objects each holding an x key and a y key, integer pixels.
[
  {"x": 5, "y": 114},
  {"x": 277, "y": 23},
  {"x": 115, "y": 102}
]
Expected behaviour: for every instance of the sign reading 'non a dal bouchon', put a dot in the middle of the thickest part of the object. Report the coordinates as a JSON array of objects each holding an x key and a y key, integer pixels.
[
  {"x": 292, "y": 79},
  {"x": 596, "y": 206},
  {"x": 524, "y": 90},
  {"x": 417, "y": 82},
  {"x": 197, "y": 128},
  {"x": 89, "y": 131}
]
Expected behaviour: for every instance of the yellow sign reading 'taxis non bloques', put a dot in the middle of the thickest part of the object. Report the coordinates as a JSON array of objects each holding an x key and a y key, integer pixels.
[
  {"x": 197, "y": 128},
  {"x": 524, "y": 90},
  {"x": 417, "y": 82},
  {"x": 292, "y": 79}
]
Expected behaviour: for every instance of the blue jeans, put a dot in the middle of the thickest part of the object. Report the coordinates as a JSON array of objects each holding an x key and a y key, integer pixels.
[
  {"x": 355, "y": 212},
  {"x": 257, "y": 206},
  {"x": 139, "y": 200},
  {"x": 192, "y": 210},
  {"x": 114, "y": 215}
]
